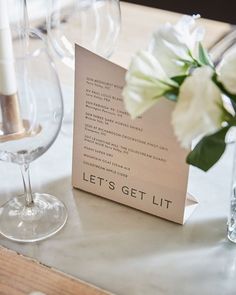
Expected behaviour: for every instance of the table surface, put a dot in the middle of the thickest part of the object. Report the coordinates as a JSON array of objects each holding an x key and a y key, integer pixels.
[{"x": 120, "y": 249}]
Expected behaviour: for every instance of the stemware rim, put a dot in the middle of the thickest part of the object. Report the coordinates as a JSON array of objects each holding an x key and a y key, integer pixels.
[
  {"x": 35, "y": 52},
  {"x": 62, "y": 52}
]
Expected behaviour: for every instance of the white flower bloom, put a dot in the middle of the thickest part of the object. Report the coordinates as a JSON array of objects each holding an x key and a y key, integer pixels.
[
  {"x": 145, "y": 82},
  {"x": 227, "y": 72},
  {"x": 199, "y": 109},
  {"x": 174, "y": 44}
]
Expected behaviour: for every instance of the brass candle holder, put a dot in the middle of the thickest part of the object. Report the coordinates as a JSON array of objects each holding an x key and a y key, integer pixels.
[
  {"x": 11, "y": 118},
  {"x": 12, "y": 126}
]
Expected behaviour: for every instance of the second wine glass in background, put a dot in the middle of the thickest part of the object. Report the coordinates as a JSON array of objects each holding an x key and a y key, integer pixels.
[{"x": 94, "y": 24}]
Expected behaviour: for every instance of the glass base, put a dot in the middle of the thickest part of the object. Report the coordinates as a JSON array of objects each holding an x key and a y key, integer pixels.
[{"x": 45, "y": 217}]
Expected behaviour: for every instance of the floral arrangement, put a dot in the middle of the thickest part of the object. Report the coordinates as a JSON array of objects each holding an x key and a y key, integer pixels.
[{"x": 177, "y": 67}]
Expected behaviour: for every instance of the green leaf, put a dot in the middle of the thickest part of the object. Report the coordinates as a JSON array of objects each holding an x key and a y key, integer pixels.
[
  {"x": 204, "y": 57},
  {"x": 232, "y": 121},
  {"x": 179, "y": 79},
  {"x": 209, "y": 150}
]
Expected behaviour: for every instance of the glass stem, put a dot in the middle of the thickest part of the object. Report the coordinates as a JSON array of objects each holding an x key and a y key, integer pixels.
[{"x": 27, "y": 185}]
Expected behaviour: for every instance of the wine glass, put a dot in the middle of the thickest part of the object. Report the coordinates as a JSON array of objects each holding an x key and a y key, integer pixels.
[
  {"x": 31, "y": 111},
  {"x": 94, "y": 24}
]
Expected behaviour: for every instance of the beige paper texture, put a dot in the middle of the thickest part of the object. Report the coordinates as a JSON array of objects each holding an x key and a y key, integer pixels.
[{"x": 138, "y": 162}]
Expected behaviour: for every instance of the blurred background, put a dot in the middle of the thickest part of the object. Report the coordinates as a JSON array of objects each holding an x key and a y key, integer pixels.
[{"x": 222, "y": 10}]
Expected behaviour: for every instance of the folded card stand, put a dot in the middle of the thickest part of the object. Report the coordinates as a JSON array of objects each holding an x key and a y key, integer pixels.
[{"x": 138, "y": 163}]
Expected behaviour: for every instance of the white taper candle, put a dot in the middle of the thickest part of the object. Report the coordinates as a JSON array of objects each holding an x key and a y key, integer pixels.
[{"x": 7, "y": 70}]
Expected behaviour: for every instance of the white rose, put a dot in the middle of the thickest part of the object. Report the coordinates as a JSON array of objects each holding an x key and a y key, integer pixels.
[
  {"x": 199, "y": 109},
  {"x": 174, "y": 44},
  {"x": 227, "y": 72},
  {"x": 145, "y": 82}
]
